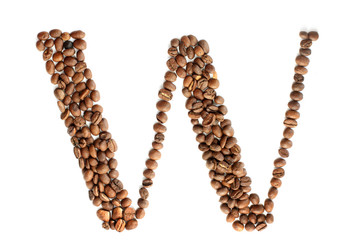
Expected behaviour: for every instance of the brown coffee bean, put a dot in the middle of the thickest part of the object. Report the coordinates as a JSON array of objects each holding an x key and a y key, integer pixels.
[
  {"x": 268, "y": 205},
  {"x": 43, "y": 35},
  {"x": 278, "y": 172},
  {"x": 59, "y": 94},
  {"x": 261, "y": 226},
  {"x": 214, "y": 83},
  {"x": 228, "y": 130},
  {"x": 300, "y": 70},
  {"x": 144, "y": 193},
  {"x": 128, "y": 213},
  {"x": 279, "y": 162},
  {"x": 180, "y": 60},
  {"x": 238, "y": 226},
  {"x": 249, "y": 227},
  {"x": 120, "y": 225},
  {"x": 199, "y": 51},
  {"x": 269, "y": 218},
  {"x": 305, "y": 51},
  {"x": 154, "y": 154},
  {"x": 257, "y": 209},
  {"x": 298, "y": 86},
  {"x": 303, "y": 35},
  {"x": 165, "y": 94},
  {"x": 272, "y": 193},
  {"x": 254, "y": 198},
  {"x": 306, "y": 43},
  {"x": 161, "y": 117},
  {"x": 143, "y": 203},
  {"x": 204, "y": 45},
  {"x": 313, "y": 36},
  {"x": 147, "y": 183},
  {"x": 77, "y": 34},
  {"x": 132, "y": 224},
  {"x": 103, "y": 215},
  {"x": 222, "y": 191},
  {"x": 224, "y": 208},
  {"x": 163, "y": 106},
  {"x": 50, "y": 67},
  {"x": 283, "y": 152},
  {"x": 80, "y": 44},
  {"x": 294, "y": 105},
  {"x": 209, "y": 119},
  {"x": 290, "y": 123},
  {"x": 285, "y": 143},
  {"x": 302, "y": 60}
]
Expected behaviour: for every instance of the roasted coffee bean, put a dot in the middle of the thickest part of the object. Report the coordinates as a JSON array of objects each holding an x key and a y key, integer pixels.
[
  {"x": 103, "y": 215},
  {"x": 261, "y": 226},
  {"x": 68, "y": 44},
  {"x": 120, "y": 225},
  {"x": 132, "y": 224},
  {"x": 313, "y": 36}
]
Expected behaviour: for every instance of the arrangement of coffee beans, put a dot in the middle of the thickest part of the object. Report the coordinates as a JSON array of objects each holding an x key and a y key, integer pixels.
[{"x": 94, "y": 146}]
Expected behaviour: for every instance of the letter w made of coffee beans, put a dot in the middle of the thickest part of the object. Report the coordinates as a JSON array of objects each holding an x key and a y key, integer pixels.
[{"x": 94, "y": 147}]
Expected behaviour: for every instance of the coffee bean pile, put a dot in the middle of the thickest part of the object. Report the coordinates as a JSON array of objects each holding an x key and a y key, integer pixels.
[{"x": 94, "y": 146}]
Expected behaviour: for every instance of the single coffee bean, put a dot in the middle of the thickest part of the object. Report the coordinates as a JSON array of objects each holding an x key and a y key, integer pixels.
[
  {"x": 303, "y": 35},
  {"x": 238, "y": 226},
  {"x": 77, "y": 34},
  {"x": 269, "y": 218},
  {"x": 254, "y": 198},
  {"x": 261, "y": 226},
  {"x": 132, "y": 224},
  {"x": 302, "y": 60},
  {"x": 120, "y": 225},
  {"x": 80, "y": 44},
  {"x": 268, "y": 205},
  {"x": 103, "y": 215},
  {"x": 313, "y": 36},
  {"x": 68, "y": 45},
  {"x": 163, "y": 106}
]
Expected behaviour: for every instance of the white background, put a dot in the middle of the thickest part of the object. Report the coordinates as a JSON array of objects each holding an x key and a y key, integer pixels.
[{"x": 253, "y": 44}]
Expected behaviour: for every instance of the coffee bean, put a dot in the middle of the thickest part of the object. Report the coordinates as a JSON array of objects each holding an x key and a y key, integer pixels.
[
  {"x": 269, "y": 218},
  {"x": 257, "y": 209},
  {"x": 132, "y": 224},
  {"x": 140, "y": 213},
  {"x": 268, "y": 205},
  {"x": 204, "y": 45},
  {"x": 306, "y": 43},
  {"x": 43, "y": 35},
  {"x": 68, "y": 44},
  {"x": 238, "y": 226},
  {"x": 303, "y": 35},
  {"x": 302, "y": 60},
  {"x": 147, "y": 183},
  {"x": 272, "y": 193},
  {"x": 313, "y": 36},
  {"x": 249, "y": 227},
  {"x": 165, "y": 94},
  {"x": 163, "y": 106},
  {"x": 209, "y": 119},
  {"x": 77, "y": 34},
  {"x": 279, "y": 162},
  {"x": 80, "y": 44},
  {"x": 254, "y": 198},
  {"x": 261, "y": 226},
  {"x": 103, "y": 215},
  {"x": 120, "y": 225},
  {"x": 290, "y": 123}
]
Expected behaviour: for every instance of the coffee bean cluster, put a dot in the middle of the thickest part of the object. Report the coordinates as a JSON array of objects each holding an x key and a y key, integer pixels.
[{"x": 94, "y": 146}]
